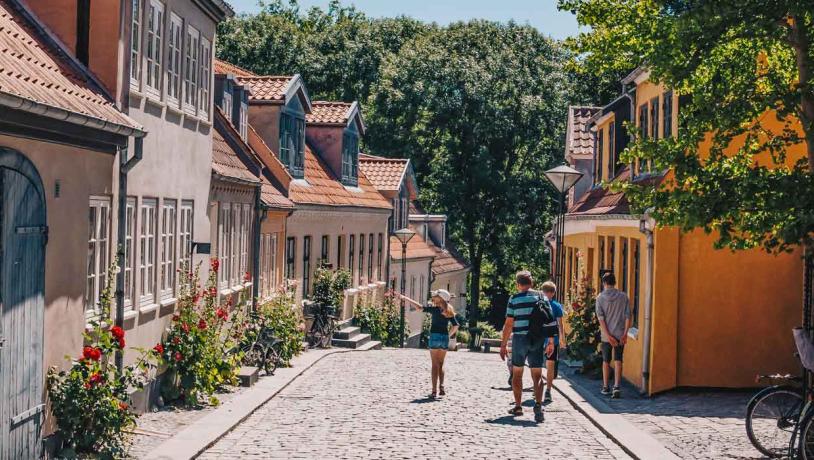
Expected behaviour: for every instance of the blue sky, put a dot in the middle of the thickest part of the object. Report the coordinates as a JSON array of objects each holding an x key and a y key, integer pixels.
[{"x": 542, "y": 14}]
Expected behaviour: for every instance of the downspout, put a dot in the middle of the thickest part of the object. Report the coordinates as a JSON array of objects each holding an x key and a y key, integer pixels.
[
  {"x": 648, "y": 305},
  {"x": 259, "y": 217},
  {"x": 124, "y": 167}
]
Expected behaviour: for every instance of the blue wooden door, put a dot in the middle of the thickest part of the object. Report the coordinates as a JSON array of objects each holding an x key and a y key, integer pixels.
[{"x": 22, "y": 283}]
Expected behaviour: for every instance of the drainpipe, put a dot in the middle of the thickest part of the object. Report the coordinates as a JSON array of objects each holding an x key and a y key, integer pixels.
[
  {"x": 648, "y": 304},
  {"x": 259, "y": 217},
  {"x": 124, "y": 167}
]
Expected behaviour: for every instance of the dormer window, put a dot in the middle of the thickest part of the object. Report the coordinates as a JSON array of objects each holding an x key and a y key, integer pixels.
[
  {"x": 350, "y": 158},
  {"x": 243, "y": 122},
  {"x": 292, "y": 143},
  {"x": 226, "y": 105}
]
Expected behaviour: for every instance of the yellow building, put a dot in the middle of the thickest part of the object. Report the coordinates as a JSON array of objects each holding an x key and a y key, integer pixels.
[{"x": 701, "y": 317}]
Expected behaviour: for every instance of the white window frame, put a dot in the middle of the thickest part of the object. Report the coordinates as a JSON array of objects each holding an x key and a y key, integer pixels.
[
  {"x": 244, "y": 120},
  {"x": 175, "y": 47},
  {"x": 136, "y": 43},
  {"x": 227, "y": 104},
  {"x": 148, "y": 217},
  {"x": 191, "y": 70},
  {"x": 224, "y": 243},
  {"x": 234, "y": 237},
  {"x": 186, "y": 217},
  {"x": 128, "y": 264},
  {"x": 154, "y": 51},
  {"x": 272, "y": 282},
  {"x": 169, "y": 253},
  {"x": 99, "y": 233},
  {"x": 205, "y": 77}
]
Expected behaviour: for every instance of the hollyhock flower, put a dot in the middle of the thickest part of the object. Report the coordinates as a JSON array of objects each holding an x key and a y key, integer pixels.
[
  {"x": 121, "y": 342},
  {"x": 247, "y": 277},
  {"x": 221, "y": 313},
  {"x": 178, "y": 356},
  {"x": 87, "y": 386},
  {"x": 95, "y": 354},
  {"x": 201, "y": 324},
  {"x": 176, "y": 340},
  {"x": 95, "y": 378},
  {"x": 213, "y": 292},
  {"x": 86, "y": 352},
  {"x": 176, "y": 317},
  {"x": 215, "y": 264},
  {"x": 117, "y": 332},
  {"x": 185, "y": 327},
  {"x": 159, "y": 348},
  {"x": 123, "y": 405}
]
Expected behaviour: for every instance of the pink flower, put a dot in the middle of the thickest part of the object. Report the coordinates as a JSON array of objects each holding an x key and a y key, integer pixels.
[{"x": 215, "y": 264}]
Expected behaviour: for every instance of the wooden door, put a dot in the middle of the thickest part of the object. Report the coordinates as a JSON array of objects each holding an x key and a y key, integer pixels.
[{"x": 22, "y": 283}]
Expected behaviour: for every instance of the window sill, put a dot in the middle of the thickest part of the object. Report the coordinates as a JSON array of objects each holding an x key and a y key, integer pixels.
[
  {"x": 633, "y": 333},
  {"x": 148, "y": 309},
  {"x": 154, "y": 100},
  {"x": 89, "y": 327},
  {"x": 227, "y": 291},
  {"x": 167, "y": 302},
  {"x": 172, "y": 107},
  {"x": 130, "y": 314}
]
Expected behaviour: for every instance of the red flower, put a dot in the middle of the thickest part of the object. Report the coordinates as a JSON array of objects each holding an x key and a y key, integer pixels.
[
  {"x": 201, "y": 324},
  {"x": 176, "y": 317},
  {"x": 123, "y": 405},
  {"x": 117, "y": 332},
  {"x": 159, "y": 348},
  {"x": 229, "y": 302},
  {"x": 95, "y": 378},
  {"x": 86, "y": 352},
  {"x": 196, "y": 298},
  {"x": 87, "y": 386},
  {"x": 121, "y": 343},
  {"x": 92, "y": 353},
  {"x": 176, "y": 340},
  {"x": 221, "y": 313},
  {"x": 185, "y": 327},
  {"x": 178, "y": 356},
  {"x": 215, "y": 264},
  {"x": 213, "y": 292},
  {"x": 247, "y": 277}
]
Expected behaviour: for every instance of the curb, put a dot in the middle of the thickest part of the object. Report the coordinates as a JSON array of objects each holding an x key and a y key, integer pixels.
[
  {"x": 632, "y": 440},
  {"x": 203, "y": 433}
]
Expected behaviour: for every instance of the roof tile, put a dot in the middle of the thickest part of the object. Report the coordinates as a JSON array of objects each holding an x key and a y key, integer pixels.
[
  {"x": 223, "y": 68},
  {"x": 329, "y": 113},
  {"x": 580, "y": 139},
  {"x": 417, "y": 248},
  {"x": 267, "y": 88},
  {"x": 384, "y": 173}
]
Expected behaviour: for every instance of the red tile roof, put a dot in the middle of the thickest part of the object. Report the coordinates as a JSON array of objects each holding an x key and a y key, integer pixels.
[
  {"x": 417, "y": 248},
  {"x": 579, "y": 140},
  {"x": 329, "y": 113},
  {"x": 320, "y": 186},
  {"x": 223, "y": 67},
  {"x": 599, "y": 201},
  {"x": 384, "y": 173},
  {"x": 32, "y": 69},
  {"x": 447, "y": 261},
  {"x": 266, "y": 88},
  {"x": 225, "y": 161},
  {"x": 273, "y": 197}
]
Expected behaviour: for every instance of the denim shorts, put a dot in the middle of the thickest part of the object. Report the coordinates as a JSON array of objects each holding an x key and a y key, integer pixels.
[
  {"x": 439, "y": 340},
  {"x": 523, "y": 352}
]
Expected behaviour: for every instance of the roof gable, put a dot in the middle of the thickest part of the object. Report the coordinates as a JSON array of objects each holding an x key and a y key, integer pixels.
[
  {"x": 389, "y": 174},
  {"x": 332, "y": 113},
  {"x": 270, "y": 89},
  {"x": 579, "y": 141}
]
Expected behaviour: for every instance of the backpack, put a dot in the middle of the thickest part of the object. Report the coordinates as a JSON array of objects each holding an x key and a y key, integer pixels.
[{"x": 542, "y": 315}]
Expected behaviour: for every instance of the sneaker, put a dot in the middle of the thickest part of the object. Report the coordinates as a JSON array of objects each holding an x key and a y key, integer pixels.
[
  {"x": 517, "y": 411},
  {"x": 617, "y": 393},
  {"x": 539, "y": 415},
  {"x": 547, "y": 397},
  {"x": 605, "y": 391}
]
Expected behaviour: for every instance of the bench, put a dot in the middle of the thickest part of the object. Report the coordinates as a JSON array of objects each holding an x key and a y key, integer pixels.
[{"x": 489, "y": 343}]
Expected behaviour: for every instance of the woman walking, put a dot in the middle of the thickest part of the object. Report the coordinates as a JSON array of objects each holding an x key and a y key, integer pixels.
[{"x": 440, "y": 333}]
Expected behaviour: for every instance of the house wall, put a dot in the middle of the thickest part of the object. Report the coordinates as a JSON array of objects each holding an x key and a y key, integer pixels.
[
  {"x": 415, "y": 269},
  {"x": 455, "y": 283},
  {"x": 328, "y": 142}
]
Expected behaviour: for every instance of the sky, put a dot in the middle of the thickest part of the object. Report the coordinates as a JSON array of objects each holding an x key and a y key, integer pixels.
[{"x": 541, "y": 14}]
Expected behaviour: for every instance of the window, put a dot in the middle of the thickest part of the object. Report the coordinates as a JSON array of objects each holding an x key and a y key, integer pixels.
[
  {"x": 667, "y": 124},
  {"x": 236, "y": 233},
  {"x": 612, "y": 254},
  {"x": 351, "y": 248},
  {"x": 227, "y": 103},
  {"x": 612, "y": 160},
  {"x": 412, "y": 287},
  {"x": 624, "y": 260},
  {"x": 155, "y": 46},
  {"x": 286, "y": 139},
  {"x": 323, "y": 250},
  {"x": 379, "y": 250},
  {"x": 129, "y": 259},
  {"x": 306, "y": 265},
  {"x": 394, "y": 221},
  {"x": 340, "y": 256},
  {"x": 244, "y": 121},
  {"x": 245, "y": 240},
  {"x": 350, "y": 156},
  {"x": 135, "y": 44},
  {"x": 370, "y": 258},
  {"x": 636, "y": 282},
  {"x": 224, "y": 243},
  {"x": 601, "y": 251},
  {"x": 98, "y": 251},
  {"x": 290, "y": 254},
  {"x": 298, "y": 167},
  {"x": 167, "y": 262},
  {"x": 147, "y": 246},
  {"x": 175, "y": 44},
  {"x": 569, "y": 271},
  {"x": 191, "y": 71},
  {"x": 268, "y": 264},
  {"x": 272, "y": 283},
  {"x": 654, "y": 118},
  {"x": 205, "y": 80},
  {"x": 185, "y": 235},
  {"x": 600, "y": 138},
  {"x": 361, "y": 256},
  {"x": 262, "y": 277},
  {"x": 421, "y": 292}
]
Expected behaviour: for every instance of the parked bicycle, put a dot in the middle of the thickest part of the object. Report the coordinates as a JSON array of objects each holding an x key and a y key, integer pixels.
[
  {"x": 263, "y": 352},
  {"x": 772, "y": 414},
  {"x": 322, "y": 326}
]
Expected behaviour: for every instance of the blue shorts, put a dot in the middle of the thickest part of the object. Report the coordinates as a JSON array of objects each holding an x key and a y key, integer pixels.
[
  {"x": 523, "y": 352},
  {"x": 439, "y": 340}
]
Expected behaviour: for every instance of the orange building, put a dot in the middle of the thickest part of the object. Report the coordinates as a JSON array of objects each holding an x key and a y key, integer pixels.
[{"x": 701, "y": 317}]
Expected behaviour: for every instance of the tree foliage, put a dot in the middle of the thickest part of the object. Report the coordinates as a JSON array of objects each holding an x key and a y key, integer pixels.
[{"x": 742, "y": 162}]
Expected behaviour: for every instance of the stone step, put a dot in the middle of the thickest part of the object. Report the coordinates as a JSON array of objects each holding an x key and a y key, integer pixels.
[
  {"x": 347, "y": 332},
  {"x": 354, "y": 342},
  {"x": 248, "y": 376},
  {"x": 372, "y": 345}
]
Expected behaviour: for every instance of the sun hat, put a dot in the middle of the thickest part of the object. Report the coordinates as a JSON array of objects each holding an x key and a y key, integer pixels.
[{"x": 442, "y": 293}]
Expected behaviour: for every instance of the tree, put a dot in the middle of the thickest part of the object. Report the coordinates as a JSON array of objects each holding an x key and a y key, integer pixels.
[
  {"x": 479, "y": 109},
  {"x": 742, "y": 163}
]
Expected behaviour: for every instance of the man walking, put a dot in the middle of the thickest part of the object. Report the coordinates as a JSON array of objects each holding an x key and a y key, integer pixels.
[
  {"x": 613, "y": 313},
  {"x": 549, "y": 291},
  {"x": 518, "y": 315}
]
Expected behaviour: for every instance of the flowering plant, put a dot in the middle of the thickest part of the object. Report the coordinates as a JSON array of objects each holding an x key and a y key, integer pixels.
[
  {"x": 282, "y": 318},
  {"x": 580, "y": 314},
  {"x": 200, "y": 348},
  {"x": 90, "y": 400},
  {"x": 382, "y": 320}
]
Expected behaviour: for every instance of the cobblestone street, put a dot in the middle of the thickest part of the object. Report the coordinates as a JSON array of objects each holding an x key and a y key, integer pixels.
[{"x": 372, "y": 405}]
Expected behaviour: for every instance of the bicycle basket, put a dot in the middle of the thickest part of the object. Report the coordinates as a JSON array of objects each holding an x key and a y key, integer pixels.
[{"x": 805, "y": 347}]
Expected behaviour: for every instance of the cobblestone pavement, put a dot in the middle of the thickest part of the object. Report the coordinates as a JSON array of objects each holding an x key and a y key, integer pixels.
[
  {"x": 372, "y": 405},
  {"x": 692, "y": 424}
]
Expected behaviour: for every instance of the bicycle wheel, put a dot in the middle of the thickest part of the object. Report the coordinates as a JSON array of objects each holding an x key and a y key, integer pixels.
[
  {"x": 770, "y": 419},
  {"x": 272, "y": 361},
  {"x": 254, "y": 356}
]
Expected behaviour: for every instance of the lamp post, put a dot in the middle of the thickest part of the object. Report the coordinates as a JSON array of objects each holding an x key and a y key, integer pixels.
[
  {"x": 562, "y": 178},
  {"x": 404, "y": 235}
]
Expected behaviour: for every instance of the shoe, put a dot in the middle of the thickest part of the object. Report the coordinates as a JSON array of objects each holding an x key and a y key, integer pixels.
[
  {"x": 547, "y": 397},
  {"x": 432, "y": 396},
  {"x": 442, "y": 392},
  {"x": 617, "y": 393},
  {"x": 539, "y": 415},
  {"x": 605, "y": 391},
  {"x": 517, "y": 411}
]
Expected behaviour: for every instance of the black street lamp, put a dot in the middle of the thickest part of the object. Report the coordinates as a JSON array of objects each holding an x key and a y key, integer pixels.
[
  {"x": 562, "y": 178},
  {"x": 404, "y": 235}
]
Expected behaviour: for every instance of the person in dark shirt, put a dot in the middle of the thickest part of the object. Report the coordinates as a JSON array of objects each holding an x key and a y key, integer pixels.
[{"x": 442, "y": 316}]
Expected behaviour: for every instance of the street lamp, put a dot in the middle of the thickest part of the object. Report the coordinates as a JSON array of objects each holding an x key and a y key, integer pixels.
[
  {"x": 404, "y": 235},
  {"x": 562, "y": 178}
]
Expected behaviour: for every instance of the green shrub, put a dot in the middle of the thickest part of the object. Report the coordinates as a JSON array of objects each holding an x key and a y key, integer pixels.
[
  {"x": 281, "y": 316},
  {"x": 382, "y": 322},
  {"x": 462, "y": 336},
  {"x": 488, "y": 331},
  {"x": 329, "y": 286}
]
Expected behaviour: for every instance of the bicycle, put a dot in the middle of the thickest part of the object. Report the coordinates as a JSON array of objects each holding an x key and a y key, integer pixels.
[
  {"x": 323, "y": 325},
  {"x": 773, "y": 413},
  {"x": 263, "y": 352}
]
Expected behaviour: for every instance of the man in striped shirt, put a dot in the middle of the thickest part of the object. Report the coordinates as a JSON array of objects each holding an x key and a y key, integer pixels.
[{"x": 518, "y": 313}]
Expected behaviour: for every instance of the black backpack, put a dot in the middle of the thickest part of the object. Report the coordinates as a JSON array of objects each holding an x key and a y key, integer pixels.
[{"x": 542, "y": 315}]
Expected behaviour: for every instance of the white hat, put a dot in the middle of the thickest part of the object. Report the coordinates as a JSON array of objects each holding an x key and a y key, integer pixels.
[{"x": 442, "y": 293}]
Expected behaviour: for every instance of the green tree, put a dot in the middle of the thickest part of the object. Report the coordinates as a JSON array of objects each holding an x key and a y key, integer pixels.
[
  {"x": 479, "y": 109},
  {"x": 739, "y": 66}
]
